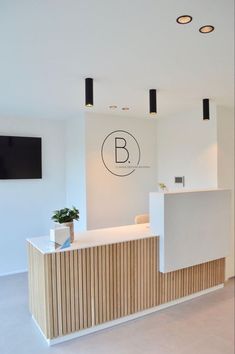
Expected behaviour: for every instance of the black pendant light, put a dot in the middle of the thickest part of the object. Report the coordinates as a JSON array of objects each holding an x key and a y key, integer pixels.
[
  {"x": 153, "y": 101},
  {"x": 206, "y": 109},
  {"x": 89, "y": 92}
]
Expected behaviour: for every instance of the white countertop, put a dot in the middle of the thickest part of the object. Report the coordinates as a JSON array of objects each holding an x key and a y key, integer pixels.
[
  {"x": 94, "y": 238},
  {"x": 182, "y": 191}
]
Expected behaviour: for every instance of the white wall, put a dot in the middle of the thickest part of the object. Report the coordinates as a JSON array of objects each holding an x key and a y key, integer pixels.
[
  {"x": 202, "y": 151},
  {"x": 187, "y": 146},
  {"x": 26, "y": 205},
  {"x": 76, "y": 168},
  {"x": 113, "y": 200},
  {"x": 225, "y": 131},
  {"x": 73, "y": 173}
]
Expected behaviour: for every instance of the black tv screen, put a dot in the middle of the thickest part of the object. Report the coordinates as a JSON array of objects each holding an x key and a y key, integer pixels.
[{"x": 20, "y": 157}]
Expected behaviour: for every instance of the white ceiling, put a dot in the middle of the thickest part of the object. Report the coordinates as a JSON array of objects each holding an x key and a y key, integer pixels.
[{"x": 48, "y": 47}]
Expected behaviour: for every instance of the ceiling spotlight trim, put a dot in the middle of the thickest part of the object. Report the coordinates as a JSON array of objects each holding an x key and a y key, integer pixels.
[
  {"x": 125, "y": 108},
  {"x": 210, "y": 29},
  {"x": 180, "y": 18},
  {"x": 206, "y": 108},
  {"x": 89, "y": 102},
  {"x": 153, "y": 101},
  {"x": 113, "y": 107}
]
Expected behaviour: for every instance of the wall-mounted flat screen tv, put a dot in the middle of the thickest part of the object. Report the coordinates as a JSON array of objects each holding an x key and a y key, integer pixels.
[{"x": 20, "y": 157}]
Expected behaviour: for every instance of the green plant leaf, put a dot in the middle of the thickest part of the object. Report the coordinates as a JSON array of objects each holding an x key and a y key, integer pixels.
[{"x": 65, "y": 215}]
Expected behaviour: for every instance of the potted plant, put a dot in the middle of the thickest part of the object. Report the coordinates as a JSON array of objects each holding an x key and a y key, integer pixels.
[
  {"x": 163, "y": 187},
  {"x": 65, "y": 217}
]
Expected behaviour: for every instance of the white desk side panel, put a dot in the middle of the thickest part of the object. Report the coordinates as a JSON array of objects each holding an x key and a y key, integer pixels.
[
  {"x": 196, "y": 227},
  {"x": 156, "y": 216}
]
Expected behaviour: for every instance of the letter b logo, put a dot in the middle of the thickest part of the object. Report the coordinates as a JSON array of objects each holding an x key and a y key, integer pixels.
[{"x": 120, "y": 153}]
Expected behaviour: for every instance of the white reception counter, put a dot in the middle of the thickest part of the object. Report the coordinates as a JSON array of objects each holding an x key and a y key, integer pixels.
[{"x": 194, "y": 226}]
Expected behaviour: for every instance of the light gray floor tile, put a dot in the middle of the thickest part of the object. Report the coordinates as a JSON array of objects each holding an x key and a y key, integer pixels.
[{"x": 201, "y": 326}]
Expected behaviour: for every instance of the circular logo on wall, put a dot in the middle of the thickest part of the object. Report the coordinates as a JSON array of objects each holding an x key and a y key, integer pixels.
[{"x": 120, "y": 153}]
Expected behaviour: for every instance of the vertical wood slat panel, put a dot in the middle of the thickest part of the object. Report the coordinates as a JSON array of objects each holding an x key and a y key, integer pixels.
[
  {"x": 118, "y": 270},
  {"x": 137, "y": 279},
  {"x": 103, "y": 292},
  {"x": 96, "y": 288},
  {"x": 67, "y": 291},
  {"x": 81, "y": 309},
  {"x": 129, "y": 277},
  {"x": 63, "y": 293},
  {"x": 88, "y": 285},
  {"x": 72, "y": 289},
  {"x": 139, "y": 276},
  {"x": 77, "y": 289},
  {"x": 148, "y": 260},
  {"x": 107, "y": 280},
  {"x": 54, "y": 295},
  {"x": 125, "y": 279},
  {"x": 115, "y": 281},
  {"x": 132, "y": 280},
  {"x": 84, "y": 287},
  {"x": 48, "y": 295},
  {"x": 92, "y": 275},
  {"x": 121, "y": 282},
  {"x": 154, "y": 271},
  {"x": 100, "y": 284},
  {"x": 144, "y": 275},
  {"x": 59, "y": 295},
  {"x": 111, "y": 285},
  {"x": 157, "y": 276}
]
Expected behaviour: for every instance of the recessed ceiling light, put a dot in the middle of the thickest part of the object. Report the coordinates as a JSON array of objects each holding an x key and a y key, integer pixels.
[
  {"x": 113, "y": 107},
  {"x": 184, "y": 19},
  {"x": 206, "y": 29},
  {"x": 125, "y": 108}
]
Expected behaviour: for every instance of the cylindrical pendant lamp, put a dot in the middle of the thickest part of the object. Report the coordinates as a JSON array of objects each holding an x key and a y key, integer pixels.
[
  {"x": 153, "y": 101},
  {"x": 206, "y": 109},
  {"x": 89, "y": 92}
]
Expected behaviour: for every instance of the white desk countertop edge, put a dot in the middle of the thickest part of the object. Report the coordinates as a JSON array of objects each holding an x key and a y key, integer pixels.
[{"x": 93, "y": 238}]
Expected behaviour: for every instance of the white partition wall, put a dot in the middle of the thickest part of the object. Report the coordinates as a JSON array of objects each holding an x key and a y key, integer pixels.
[
  {"x": 187, "y": 146},
  {"x": 225, "y": 157},
  {"x": 194, "y": 226},
  {"x": 76, "y": 169},
  {"x": 119, "y": 191}
]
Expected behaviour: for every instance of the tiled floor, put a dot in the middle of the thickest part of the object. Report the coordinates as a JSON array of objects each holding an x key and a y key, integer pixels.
[{"x": 201, "y": 326}]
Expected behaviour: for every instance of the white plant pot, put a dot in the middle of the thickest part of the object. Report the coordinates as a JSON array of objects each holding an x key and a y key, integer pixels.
[
  {"x": 71, "y": 227},
  {"x": 60, "y": 235}
]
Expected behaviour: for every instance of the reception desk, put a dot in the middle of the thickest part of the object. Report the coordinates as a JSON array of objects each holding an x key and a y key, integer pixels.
[
  {"x": 98, "y": 286},
  {"x": 113, "y": 275}
]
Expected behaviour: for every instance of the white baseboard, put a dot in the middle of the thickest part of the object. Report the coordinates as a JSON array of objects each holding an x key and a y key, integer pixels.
[
  {"x": 15, "y": 272},
  {"x": 109, "y": 324},
  {"x": 41, "y": 331}
]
